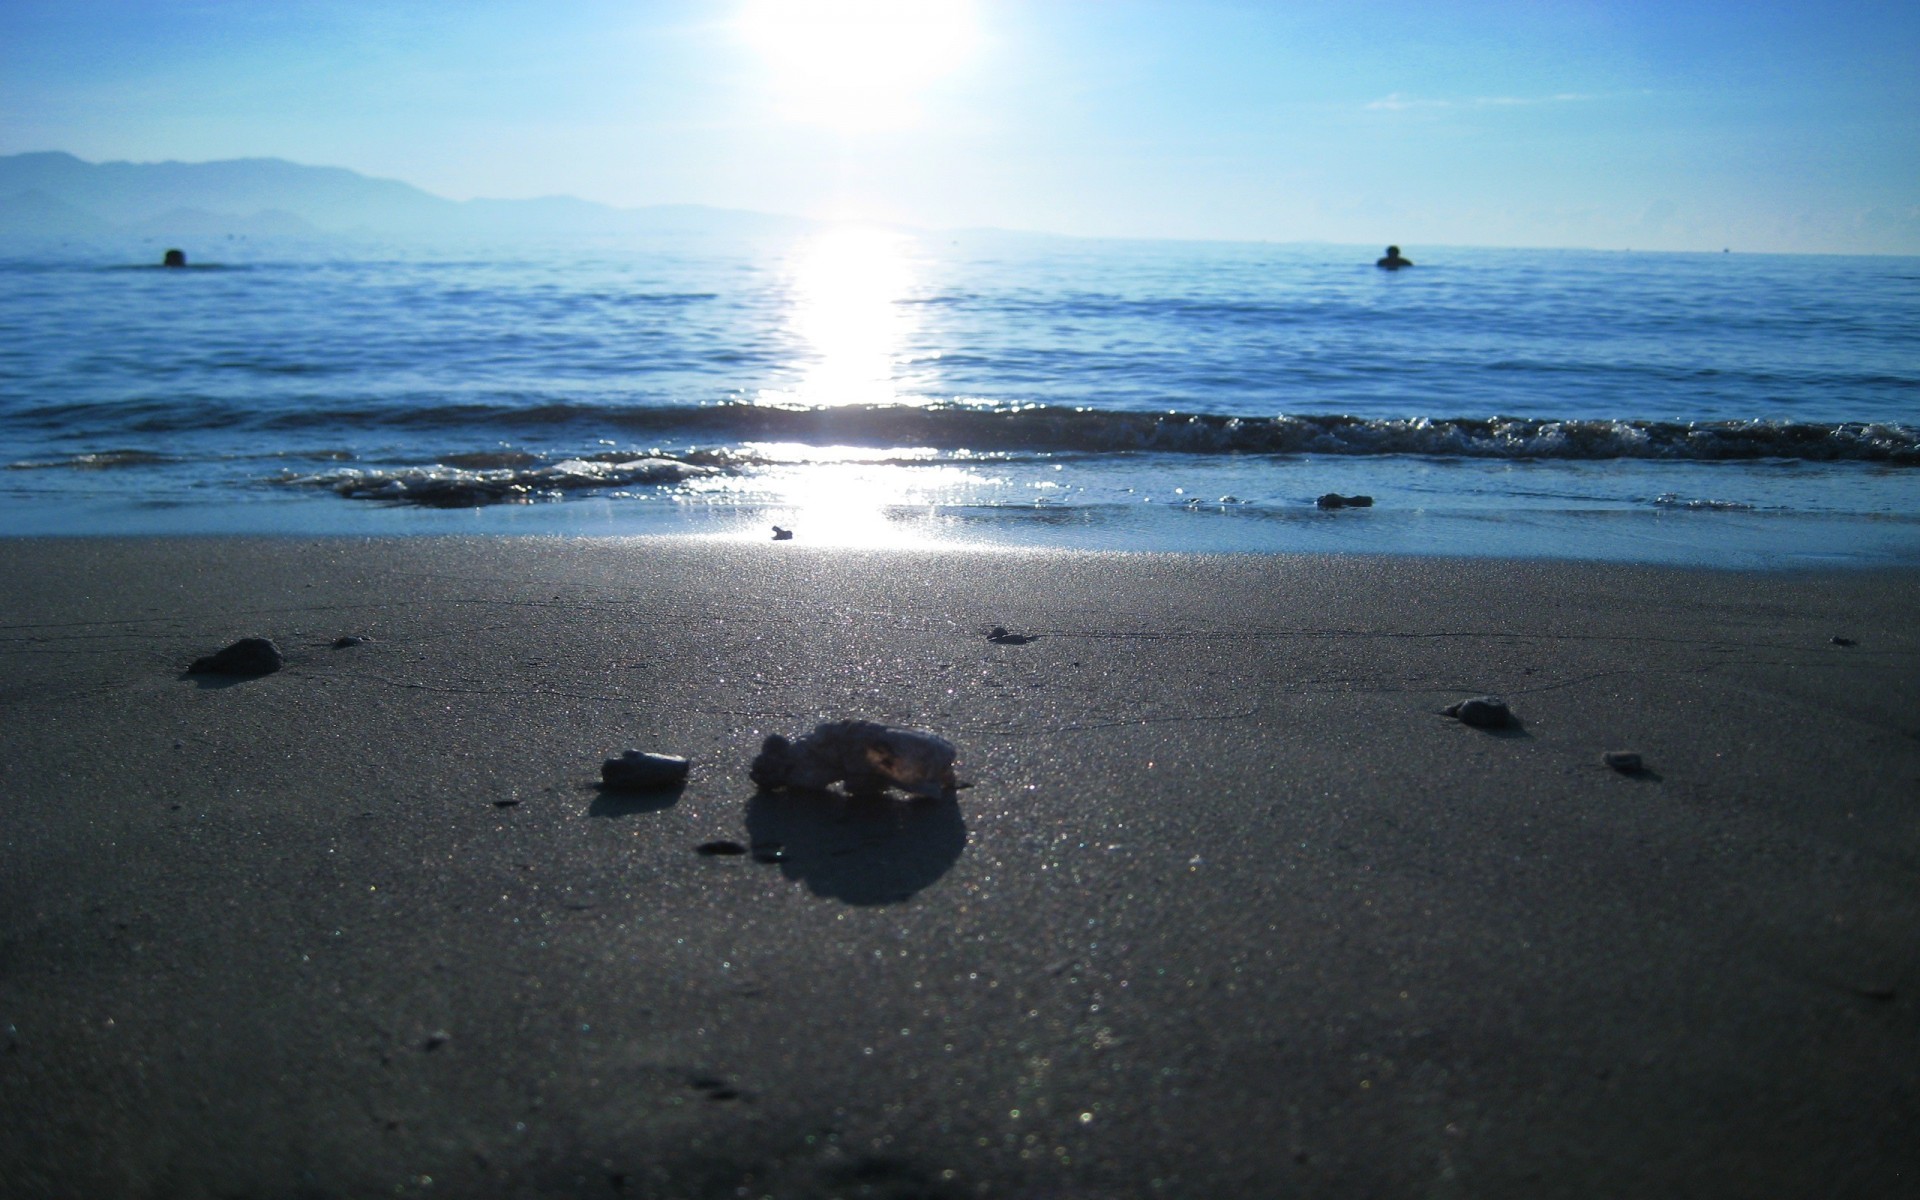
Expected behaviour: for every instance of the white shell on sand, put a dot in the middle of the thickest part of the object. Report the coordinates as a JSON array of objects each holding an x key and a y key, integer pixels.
[{"x": 864, "y": 755}]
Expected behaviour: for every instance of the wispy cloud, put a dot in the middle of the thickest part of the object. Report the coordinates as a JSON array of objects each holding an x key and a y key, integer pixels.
[{"x": 1398, "y": 102}]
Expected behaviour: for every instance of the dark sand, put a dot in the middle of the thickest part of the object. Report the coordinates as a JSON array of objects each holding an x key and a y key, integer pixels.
[{"x": 1228, "y": 912}]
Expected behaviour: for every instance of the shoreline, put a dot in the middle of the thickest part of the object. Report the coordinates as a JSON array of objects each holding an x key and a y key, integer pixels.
[
  {"x": 1708, "y": 537},
  {"x": 1228, "y": 909}
]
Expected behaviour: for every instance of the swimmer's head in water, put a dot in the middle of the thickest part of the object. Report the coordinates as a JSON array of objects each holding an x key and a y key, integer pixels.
[
  {"x": 1393, "y": 252},
  {"x": 174, "y": 258}
]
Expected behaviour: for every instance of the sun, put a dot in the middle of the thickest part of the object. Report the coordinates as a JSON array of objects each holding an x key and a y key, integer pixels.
[{"x": 857, "y": 64}]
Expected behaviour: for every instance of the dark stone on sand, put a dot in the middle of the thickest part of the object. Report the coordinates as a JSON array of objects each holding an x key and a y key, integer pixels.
[
  {"x": 1336, "y": 500},
  {"x": 782, "y": 535},
  {"x": 999, "y": 634},
  {"x": 1627, "y": 762},
  {"x": 638, "y": 771},
  {"x": 769, "y": 852},
  {"x": 719, "y": 847},
  {"x": 1481, "y": 712},
  {"x": 248, "y": 656},
  {"x": 436, "y": 1039},
  {"x": 1837, "y": 640},
  {"x": 348, "y": 640},
  {"x": 716, "y": 1089}
]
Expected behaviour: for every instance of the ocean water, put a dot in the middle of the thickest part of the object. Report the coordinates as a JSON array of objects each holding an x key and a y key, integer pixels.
[{"x": 865, "y": 387}]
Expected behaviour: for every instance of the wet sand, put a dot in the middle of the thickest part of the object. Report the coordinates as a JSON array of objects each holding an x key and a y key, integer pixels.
[{"x": 1228, "y": 909}]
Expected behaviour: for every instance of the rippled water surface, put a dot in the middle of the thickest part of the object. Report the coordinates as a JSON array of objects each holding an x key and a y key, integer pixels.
[{"x": 870, "y": 386}]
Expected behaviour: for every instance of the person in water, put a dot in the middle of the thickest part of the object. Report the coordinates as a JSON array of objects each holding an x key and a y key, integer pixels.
[
  {"x": 1393, "y": 261},
  {"x": 174, "y": 258}
]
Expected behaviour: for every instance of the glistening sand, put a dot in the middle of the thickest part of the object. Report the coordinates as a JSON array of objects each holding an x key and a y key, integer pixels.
[{"x": 1229, "y": 910}]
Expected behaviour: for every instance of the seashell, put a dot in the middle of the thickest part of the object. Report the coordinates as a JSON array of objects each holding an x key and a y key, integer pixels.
[{"x": 866, "y": 756}]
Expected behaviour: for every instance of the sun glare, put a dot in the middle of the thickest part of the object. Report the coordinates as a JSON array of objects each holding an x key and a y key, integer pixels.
[
  {"x": 851, "y": 333},
  {"x": 846, "y": 287},
  {"x": 857, "y": 64}
]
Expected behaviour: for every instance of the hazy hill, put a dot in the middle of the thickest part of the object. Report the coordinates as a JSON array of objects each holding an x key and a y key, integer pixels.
[
  {"x": 32, "y": 211},
  {"x": 55, "y": 194}
]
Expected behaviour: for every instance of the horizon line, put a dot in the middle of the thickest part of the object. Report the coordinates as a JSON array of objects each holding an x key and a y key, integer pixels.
[{"x": 899, "y": 226}]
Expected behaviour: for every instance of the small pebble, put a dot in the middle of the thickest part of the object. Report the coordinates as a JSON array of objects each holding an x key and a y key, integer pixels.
[
  {"x": 349, "y": 640},
  {"x": 769, "y": 852},
  {"x": 782, "y": 535},
  {"x": 636, "y": 770},
  {"x": 248, "y": 656},
  {"x": 722, "y": 846},
  {"x": 505, "y": 803},
  {"x": 999, "y": 634},
  {"x": 1624, "y": 761},
  {"x": 1837, "y": 640},
  {"x": 1481, "y": 712},
  {"x": 436, "y": 1039}
]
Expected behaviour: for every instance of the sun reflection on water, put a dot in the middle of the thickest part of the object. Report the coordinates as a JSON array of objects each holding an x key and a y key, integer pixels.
[
  {"x": 847, "y": 289},
  {"x": 852, "y": 333},
  {"x": 853, "y": 497}
]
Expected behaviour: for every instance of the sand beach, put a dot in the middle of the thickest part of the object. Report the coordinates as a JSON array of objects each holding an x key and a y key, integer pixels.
[{"x": 1228, "y": 910}]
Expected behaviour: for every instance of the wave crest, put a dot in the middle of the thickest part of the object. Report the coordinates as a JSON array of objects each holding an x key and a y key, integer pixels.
[
  {"x": 1051, "y": 429},
  {"x": 444, "y": 485}
]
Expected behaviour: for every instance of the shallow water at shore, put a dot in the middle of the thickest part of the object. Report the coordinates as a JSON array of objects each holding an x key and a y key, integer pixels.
[{"x": 1739, "y": 518}]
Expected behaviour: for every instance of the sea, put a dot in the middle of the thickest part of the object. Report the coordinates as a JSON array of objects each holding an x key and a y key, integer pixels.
[{"x": 872, "y": 387}]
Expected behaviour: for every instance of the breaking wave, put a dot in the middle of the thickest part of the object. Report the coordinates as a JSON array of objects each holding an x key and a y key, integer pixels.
[
  {"x": 1049, "y": 429},
  {"x": 102, "y": 460},
  {"x": 503, "y": 479}
]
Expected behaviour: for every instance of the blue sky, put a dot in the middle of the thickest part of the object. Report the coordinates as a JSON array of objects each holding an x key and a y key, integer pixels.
[{"x": 1789, "y": 126}]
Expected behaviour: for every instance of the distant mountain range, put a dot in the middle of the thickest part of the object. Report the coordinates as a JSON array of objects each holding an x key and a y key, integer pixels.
[{"x": 52, "y": 194}]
